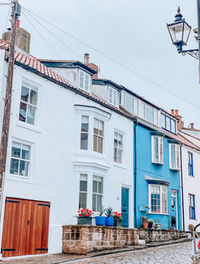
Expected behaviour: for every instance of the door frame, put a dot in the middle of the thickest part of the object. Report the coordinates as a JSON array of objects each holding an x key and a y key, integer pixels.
[
  {"x": 174, "y": 195},
  {"x": 127, "y": 188}
]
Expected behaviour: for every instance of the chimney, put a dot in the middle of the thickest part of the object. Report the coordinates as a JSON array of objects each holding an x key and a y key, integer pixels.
[
  {"x": 180, "y": 123},
  {"x": 172, "y": 112},
  {"x": 86, "y": 58},
  {"x": 192, "y": 125},
  {"x": 91, "y": 65},
  {"x": 23, "y": 38}
]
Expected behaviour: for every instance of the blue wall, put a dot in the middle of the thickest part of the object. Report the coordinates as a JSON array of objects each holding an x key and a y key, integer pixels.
[{"x": 145, "y": 168}]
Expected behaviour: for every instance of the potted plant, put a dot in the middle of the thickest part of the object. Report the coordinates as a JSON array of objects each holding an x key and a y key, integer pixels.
[
  {"x": 145, "y": 222},
  {"x": 84, "y": 217},
  {"x": 117, "y": 218},
  {"x": 109, "y": 221},
  {"x": 100, "y": 219},
  {"x": 150, "y": 223}
]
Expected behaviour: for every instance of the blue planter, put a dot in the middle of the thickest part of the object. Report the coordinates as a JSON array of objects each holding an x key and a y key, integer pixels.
[
  {"x": 109, "y": 221},
  {"x": 100, "y": 220}
]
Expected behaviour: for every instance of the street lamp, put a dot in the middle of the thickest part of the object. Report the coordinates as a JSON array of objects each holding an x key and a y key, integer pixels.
[{"x": 179, "y": 31}]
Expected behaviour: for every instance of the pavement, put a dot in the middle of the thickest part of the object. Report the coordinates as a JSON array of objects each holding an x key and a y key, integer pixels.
[{"x": 172, "y": 252}]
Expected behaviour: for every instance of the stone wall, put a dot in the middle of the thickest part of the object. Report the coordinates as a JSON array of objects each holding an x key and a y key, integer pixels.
[{"x": 82, "y": 239}]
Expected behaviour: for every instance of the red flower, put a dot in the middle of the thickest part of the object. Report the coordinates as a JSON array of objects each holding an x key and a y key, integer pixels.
[
  {"x": 86, "y": 215},
  {"x": 80, "y": 214}
]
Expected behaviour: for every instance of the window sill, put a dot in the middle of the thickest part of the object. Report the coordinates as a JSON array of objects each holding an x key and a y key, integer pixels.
[
  {"x": 174, "y": 169},
  {"x": 24, "y": 179},
  {"x": 158, "y": 163},
  {"x": 28, "y": 126},
  {"x": 158, "y": 213},
  {"x": 119, "y": 165}
]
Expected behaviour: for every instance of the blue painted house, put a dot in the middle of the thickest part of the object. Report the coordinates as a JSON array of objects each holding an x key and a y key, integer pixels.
[{"x": 156, "y": 176}]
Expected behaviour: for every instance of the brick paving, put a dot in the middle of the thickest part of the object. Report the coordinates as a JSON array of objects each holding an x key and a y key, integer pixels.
[{"x": 171, "y": 254}]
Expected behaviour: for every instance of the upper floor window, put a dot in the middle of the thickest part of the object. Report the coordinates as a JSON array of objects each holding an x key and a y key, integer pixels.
[
  {"x": 28, "y": 103},
  {"x": 83, "y": 191},
  {"x": 190, "y": 163},
  {"x": 97, "y": 194},
  {"x": 98, "y": 135},
  {"x": 168, "y": 123},
  {"x": 174, "y": 156},
  {"x": 20, "y": 159},
  {"x": 113, "y": 96},
  {"x": 192, "y": 214},
  {"x": 157, "y": 149},
  {"x": 84, "y": 80},
  {"x": 158, "y": 199},
  {"x": 118, "y": 147},
  {"x": 84, "y": 132}
]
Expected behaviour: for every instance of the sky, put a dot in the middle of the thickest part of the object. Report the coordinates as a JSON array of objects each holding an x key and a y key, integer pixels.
[{"x": 132, "y": 33}]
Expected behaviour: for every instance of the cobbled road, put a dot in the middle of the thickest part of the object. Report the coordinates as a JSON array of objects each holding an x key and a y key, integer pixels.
[{"x": 171, "y": 254}]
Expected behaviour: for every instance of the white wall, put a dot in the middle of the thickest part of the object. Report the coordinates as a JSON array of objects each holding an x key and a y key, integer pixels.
[
  {"x": 56, "y": 160},
  {"x": 191, "y": 185}
]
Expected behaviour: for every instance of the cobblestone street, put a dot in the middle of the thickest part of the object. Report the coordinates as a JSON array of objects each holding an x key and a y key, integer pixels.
[{"x": 172, "y": 254}]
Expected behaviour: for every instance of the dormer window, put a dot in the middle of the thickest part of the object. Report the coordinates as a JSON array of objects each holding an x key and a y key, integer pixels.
[
  {"x": 113, "y": 96},
  {"x": 84, "y": 80},
  {"x": 168, "y": 123}
]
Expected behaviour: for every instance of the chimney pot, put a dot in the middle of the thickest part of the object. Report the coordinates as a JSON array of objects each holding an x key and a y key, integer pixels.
[
  {"x": 192, "y": 125},
  {"x": 176, "y": 112},
  {"x": 172, "y": 111},
  {"x": 86, "y": 58}
]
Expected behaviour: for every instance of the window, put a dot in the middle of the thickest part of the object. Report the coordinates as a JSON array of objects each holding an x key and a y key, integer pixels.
[
  {"x": 168, "y": 123},
  {"x": 118, "y": 147},
  {"x": 190, "y": 163},
  {"x": 83, "y": 191},
  {"x": 84, "y": 132},
  {"x": 157, "y": 149},
  {"x": 28, "y": 103},
  {"x": 158, "y": 199},
  {"x": 149, "y": 114},
  {"x": 192, "y": 206},
  {"x": 84, "y": 80},
  {"x": 97, "y": 194},
  {"x": 113, "y": 97},
  {"x": 135, "y": 106},
  {"x": 129, "y": 103},
  {"x": 98, "y": 135},
  {"x": 174, "y": 156},
  {"x": 20, "y": 159}
]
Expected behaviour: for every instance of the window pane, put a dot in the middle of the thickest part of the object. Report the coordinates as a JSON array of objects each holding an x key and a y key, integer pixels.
[
  {"x": 135, "y": 106},
  {"x": 173, "y": 158},
  {"x": 94, "y": 186},
  {"x": 129, "y": 103},
  {"x": 173, "y": 126},
  {"x": 16, "y": 151},
  {"x": 156, "y": 150},
  {"x": 95, "y": 143},
  {"x": 100, "y": 187},
  {"x": 155, "y": 117},
  {"x": 119, "y": 156},
  {"x": 82, "y": 200},
  {"x": 31, "y": 114},
  {"x": 83, "y": 186},
  {"x": 100, "y": 145},
  {"x": 86, "y": 82},
  {"x": 163, "y": 121},
  {"x": 94, "y": 202},
  {"x": 167, "y": 123},
  {"x": 84, "y": 141},
  {"x": 33, "y": 97},
  {"x": 14, "y": 165},
  {"x": 110, "y": 95},
  {"x": 24, "y": 168},
  {"x": 24, "y": 94},
  {"x": 81, "y": 79},
  {"x": 149, "y": 113},
  {"x": 99, "y": 203},
  {"x": 22, "y": 112}
]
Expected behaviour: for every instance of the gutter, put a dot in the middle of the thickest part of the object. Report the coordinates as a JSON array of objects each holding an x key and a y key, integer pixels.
[
  {"x": 135, "y": 173},
  {"x": 182, "y": 196}
]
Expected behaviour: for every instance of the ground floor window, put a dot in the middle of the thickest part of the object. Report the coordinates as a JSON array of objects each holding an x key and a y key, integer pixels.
[
  {"x": 83, "y": 191},
  {"x": 97, "y": 194},
  {"x": 158, "y": 199},
  {"x": 191, "y": 206}
]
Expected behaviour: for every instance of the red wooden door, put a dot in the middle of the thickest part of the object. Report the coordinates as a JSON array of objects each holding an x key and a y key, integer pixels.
[{"x": 25, "y": 229}]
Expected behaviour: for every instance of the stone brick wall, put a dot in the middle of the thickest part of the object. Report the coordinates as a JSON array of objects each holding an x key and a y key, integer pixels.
[{"x": 82, "y": 239}]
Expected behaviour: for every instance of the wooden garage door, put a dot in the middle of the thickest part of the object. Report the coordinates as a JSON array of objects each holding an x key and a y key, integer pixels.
[{"x": 25, "y": 228}]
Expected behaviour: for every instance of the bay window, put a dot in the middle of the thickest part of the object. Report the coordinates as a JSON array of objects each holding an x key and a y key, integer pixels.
[
  {"x": 98, "y": 135},
  {"x": 83, "y": 191},
  {"x": 84, "y": 132}
]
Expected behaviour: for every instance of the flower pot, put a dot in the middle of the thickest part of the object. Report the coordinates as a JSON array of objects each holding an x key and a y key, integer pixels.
[
  {"x": 117, "y": 222},
  {"x": 84, "y": 220},
  {"x": 109, "y": 221},
  {"x": 150, "y": 225},
  {"x": 100, "y": 220},
  {"x": 145, "y": 224}
]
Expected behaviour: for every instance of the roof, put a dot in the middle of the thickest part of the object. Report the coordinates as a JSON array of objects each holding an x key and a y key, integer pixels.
[
  {"x": 67, "y": 64},
  {"x": 106, "y": 81},
  {"x": 4, "y": 44}
]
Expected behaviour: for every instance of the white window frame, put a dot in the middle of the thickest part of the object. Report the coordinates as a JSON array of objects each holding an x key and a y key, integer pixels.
[
  {"x": 113, "y": 96},
  {"x": 163, "y": 189},
  {"x": 83, "y": 175},
  {"x": 21, "y": 159},
  {"x": 160, "y": 149},
  {"x": 98, "y": 179},
  {"x": 85, "y": 132},
  {"x": 97, "y": 135},
  {"x": 83, "y": 84},
  {"x": 118, "y": 148},
  {"x": 177, "y": 156},
  {"x": 31, "y": 86}
]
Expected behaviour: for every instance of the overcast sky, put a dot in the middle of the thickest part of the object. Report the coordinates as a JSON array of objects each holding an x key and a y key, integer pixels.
[{"x": 134, "y": 33}]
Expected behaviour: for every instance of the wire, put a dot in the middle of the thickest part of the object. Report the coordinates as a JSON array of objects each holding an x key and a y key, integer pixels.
[
  {"x": 41, "y": 36},
  {"x": 115, "y": 61}
]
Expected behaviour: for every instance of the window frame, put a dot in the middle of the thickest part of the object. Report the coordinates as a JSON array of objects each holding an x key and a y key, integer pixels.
[
  {"x": 163, "y": 190},
  {"x": 192, "y": 207},
  {"x": 82, "y": 84},
  {"x": 164, "y": 122},
  {"x": 83, "y": 192},
  {"x": 118, "y": 148},
  {"x": 190, "y": 164},
  {"x": 98, "y": 135},
  {"x": 99, "y": 179},
  {"x": 176, "y": 156},
  {"x": 83, "y": 132},
  {"x": 160, "y": 150},
  {"x": 113, "y": 96}
]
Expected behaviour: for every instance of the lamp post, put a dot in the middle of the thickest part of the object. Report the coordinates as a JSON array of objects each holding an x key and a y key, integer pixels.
[{"x": 179, "y": 32}]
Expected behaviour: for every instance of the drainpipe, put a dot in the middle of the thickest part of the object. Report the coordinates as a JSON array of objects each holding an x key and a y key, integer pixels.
[
  {"x": 182, "y": 195},
  {"x": 135, "y": 173}
]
